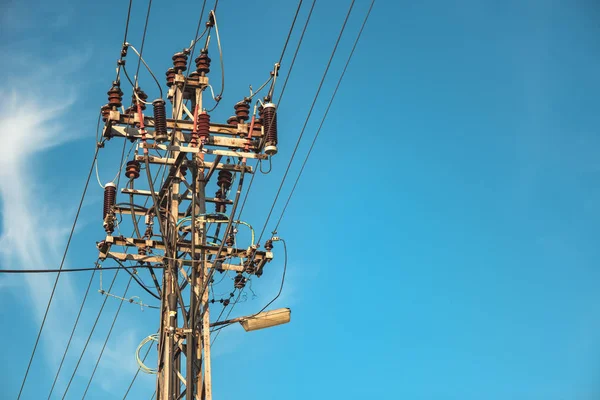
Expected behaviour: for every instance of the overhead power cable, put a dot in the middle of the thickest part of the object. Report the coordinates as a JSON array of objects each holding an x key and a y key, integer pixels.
[
  {"x": 312, "y": 106},
  {"x": 52, "y": 271},
  {"x": 62, "y": 263},
  {"x": 282, "y": 90},
  {"x": 325, "y": 115}
]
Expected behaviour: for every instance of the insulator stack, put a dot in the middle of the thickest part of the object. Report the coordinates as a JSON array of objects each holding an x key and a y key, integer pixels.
[
  {"x": 203, "y": 127},
  {"x": 242, "y": 111},
  {"x": 115, "y": 96},
  {"x": 132, "y": 170},
  {"x": 269, "y": 245},
  {"x": 220, "y": 206},
  {"x": 233, "y": 120},
  {"x": 239, "y": 281},
  {"x": 110, "y": 195},
  {"x": 203, "y": 62},
  {"x": 249, "y": 267},
  {"x": 269, "y": 120},
  {"x": 170, "y": 76},
  {"x": 105, "y": 110},
  {"x": 141, "y": 95},
  {"x": 180, "y": 62},
  {"x": 224, "y": 179},
  {"x": 258, "y": 123},
  {"x": 230, "y": 241},
  {"x": 160, "y": 121}
]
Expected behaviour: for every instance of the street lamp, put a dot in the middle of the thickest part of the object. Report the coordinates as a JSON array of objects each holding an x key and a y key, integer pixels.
[{"x": 261, "y": 320}]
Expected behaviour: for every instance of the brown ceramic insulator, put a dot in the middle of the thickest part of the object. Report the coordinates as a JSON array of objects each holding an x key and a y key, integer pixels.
[
  {"x": 203, "y": 126},
  {"x": 233, "y": 120},
  {"x": 269, "y": 245},
  {"x": 142, "y": 96},
  {"x": 239, "y": 281},
  {"x": 242, "y": 111},
  {"x": 269, "y": 117},
  {"x": 160, "y": 121},
  {"x": 220, "y": 206},
  {"x": 132, "y": 170},
  {"x": 203, "y": 62},
  {"x": 115, "y": 96},
  {"x": 258, "y": 123},
  {"x": 105, "y": 110},
  {"x": 180, "y": 61},
  {"x": 110, "y": 195},
  {"x": 230, "y": 240},
  {"x": 224, "y": 179},
  {"x": 170, "y": 76}
]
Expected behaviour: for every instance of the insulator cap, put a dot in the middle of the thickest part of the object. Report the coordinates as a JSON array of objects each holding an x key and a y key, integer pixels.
[
  {"x": 132, "y": 170},
  {"x": 170, "y": 76},
  {"x": 242, "y": 111},
  {"x": 269, "y": 245},
  {"x": 180, "y": 62},
  {"x": 160, "y": 121},
  {"x": 233, "y": 120}
]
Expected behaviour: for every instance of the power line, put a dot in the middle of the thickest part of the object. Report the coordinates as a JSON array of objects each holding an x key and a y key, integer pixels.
[
  {"x": 307, "y": 118},
  {"x": 325, "y": 115},
  {"x": 72, "y": 334},
  {"x": 282, "y": 92},
  {"x": 51, "y": 271},
  {"x": 107, "y": 338},
  {"x": 62, "y": 262}
]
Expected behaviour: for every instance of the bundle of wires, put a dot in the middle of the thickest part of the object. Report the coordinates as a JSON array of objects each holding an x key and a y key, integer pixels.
[{"x": 143, "y": 367}]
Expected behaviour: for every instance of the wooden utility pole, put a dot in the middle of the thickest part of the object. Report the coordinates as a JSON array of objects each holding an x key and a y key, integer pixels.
[{"x": 179, "y": 209}]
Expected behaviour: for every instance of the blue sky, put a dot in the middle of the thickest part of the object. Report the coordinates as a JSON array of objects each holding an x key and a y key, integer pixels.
[{"x": 441, "y": 240}]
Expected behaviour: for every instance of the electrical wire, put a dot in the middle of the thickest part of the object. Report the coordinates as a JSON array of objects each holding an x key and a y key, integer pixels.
[
  {"x": 51, "y": 271},
  {"x": 136, "y": 373},
  {"x": 107, "y": 338},
  {"x": 87, "y": 342},
  {"x": 307, "y": 118},
  {"x": 282, "y": 90},
  {"x": 62, "y": 262},
  {"x": 72, "y": 334},
  {"x": 325, "y": 115}
]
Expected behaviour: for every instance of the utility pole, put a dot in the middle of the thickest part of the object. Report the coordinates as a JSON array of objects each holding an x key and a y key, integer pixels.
[{"x": 193, "y": 153}]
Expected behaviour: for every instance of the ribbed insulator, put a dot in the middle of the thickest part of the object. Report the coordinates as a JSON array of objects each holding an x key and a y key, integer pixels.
[
  {"x": 180, "y": 61},
  {"x": 224, "y": 179},
  {"x": 269, "y": 119},
  {"x": 105, "y": 110},
  {"x": 203, "y": 62},
  {"x": 239, "y": 281},
  {"x": 230, "y": 241},
  {"x": 170, "y": 76},
  {"x": 258, "y": 123},
  {"x": 132, "y": 170},
  {"x": 242, "y": 111},
  {"x": 160, "y": 121},
  {"x": 269, "y": 245},
  {"x": 110, "y": 195},
  {"x": 115, "y": 96},
  {"x": 142, "y": 96},
  {"x": 203, "y": 126}
]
